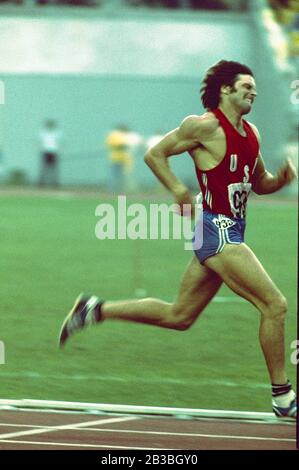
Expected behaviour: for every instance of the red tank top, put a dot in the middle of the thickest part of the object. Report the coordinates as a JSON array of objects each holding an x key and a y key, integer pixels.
[{"x": 226, "y": 187}]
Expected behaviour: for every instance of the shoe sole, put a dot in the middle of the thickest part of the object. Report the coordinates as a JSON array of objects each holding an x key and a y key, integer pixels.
[
  {"x": 61, "y": 342},
  {"x": 279, "y": 415}
]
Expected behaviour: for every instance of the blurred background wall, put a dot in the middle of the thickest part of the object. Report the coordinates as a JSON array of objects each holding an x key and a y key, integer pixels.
[{"x": 93, "y": 69}]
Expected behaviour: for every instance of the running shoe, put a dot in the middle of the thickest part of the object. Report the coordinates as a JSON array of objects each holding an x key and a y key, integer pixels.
[
  {"x": 289, "y": 412},
  {"x": 86, "y": 311}
]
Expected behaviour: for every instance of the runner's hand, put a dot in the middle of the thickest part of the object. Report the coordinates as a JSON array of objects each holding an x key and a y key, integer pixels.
[
  {"x": 287, "y": 173},
  {"x": 185, "y": 202}
]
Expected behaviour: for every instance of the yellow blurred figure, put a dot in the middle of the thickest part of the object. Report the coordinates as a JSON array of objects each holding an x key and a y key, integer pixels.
[
  {"x": 294, "y": 44},
  {"x": 118, "y": 143}
]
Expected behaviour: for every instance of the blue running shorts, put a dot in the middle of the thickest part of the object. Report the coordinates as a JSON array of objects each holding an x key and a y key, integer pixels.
[{"x": 213, "y": 231}]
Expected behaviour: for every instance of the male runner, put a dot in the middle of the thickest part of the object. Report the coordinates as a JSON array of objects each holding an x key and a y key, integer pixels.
[{"x": 228, "y": 163}]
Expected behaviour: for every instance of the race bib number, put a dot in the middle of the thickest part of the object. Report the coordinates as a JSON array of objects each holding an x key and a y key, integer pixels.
[
  {"x": 224, "y": 224},
  {"x": 238, "y": 194}
]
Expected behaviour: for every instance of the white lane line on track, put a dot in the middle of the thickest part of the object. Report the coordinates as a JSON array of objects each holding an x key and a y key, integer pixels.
[
  {"x": 31, "y": 426},
  {"x": 152, "y": 433},
  {"x": 68, "y": 444},
  {"x": 75, "y": 426},
  {"x": 182, "y": 434}
]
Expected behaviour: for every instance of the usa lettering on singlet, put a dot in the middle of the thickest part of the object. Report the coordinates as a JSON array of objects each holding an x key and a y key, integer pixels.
[{"x": 225, "y": 188}]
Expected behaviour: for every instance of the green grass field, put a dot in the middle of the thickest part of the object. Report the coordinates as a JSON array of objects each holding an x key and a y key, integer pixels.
[{"x": 50, "y": 253}]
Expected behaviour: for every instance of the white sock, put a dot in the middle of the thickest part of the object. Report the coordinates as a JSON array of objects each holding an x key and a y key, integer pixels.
[{"x": 283, "y": 401}]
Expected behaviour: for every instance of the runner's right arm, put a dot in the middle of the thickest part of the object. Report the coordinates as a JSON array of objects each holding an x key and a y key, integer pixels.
[{"x": 182, "y": 139}]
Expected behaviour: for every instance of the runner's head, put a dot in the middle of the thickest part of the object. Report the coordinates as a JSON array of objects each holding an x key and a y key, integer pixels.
[{"x": 231, "y": 82}]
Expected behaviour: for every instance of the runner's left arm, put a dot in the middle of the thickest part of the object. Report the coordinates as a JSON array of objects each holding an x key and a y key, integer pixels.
[{"x": 266, "y": 183}]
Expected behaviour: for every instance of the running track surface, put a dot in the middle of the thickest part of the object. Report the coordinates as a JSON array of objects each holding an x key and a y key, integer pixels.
[{"x": 40, "y": 430}]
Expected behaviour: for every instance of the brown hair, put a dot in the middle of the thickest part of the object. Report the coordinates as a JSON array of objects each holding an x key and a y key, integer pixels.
[{"x": 223, "y": 73}]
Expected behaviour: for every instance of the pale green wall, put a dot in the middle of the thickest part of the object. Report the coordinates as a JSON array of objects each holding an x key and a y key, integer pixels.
[{"x": 88, "y": 105}]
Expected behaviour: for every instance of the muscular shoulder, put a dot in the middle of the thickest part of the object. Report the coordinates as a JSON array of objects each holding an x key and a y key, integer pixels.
[
  {"x": 255, "y": 130},
  {"x": 200, "y": 126}
]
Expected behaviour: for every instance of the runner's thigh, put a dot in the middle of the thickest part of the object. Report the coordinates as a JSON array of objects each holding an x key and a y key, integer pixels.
[
  {"x": 240, "y": 269},
  {"x": 198, "y": 287}
]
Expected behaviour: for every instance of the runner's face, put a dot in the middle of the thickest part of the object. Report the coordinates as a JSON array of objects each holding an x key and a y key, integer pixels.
[{"x": 243, "y": 93}]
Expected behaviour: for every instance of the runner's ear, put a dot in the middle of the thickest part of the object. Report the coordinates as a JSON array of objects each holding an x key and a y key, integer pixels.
[{"x": 225, "y": 89}]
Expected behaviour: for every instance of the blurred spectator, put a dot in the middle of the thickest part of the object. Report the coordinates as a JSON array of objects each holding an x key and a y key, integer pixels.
[
  {"x": 85, "y": 3},
  {"x": 81, "y": 3},
  {"x": 236, "y": 5},
  {"x": 155, "y": 3},
  {"x": 208, "y": 5},
  {"x": 285, "y": 10},
  {"x": 293, "y": 29},
  {"x": 16, "y": 2},
  {"x": 287, "y": 14},
  {"x": 50, "y": 142},
  {"x": 196, "y": 4},
  {"x": 121, "y": 142}
]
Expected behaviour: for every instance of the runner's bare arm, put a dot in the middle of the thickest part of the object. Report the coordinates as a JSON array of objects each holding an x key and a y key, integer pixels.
[
  {"x": 184, "y": 138},
  {"x": 266, "y": 183}
]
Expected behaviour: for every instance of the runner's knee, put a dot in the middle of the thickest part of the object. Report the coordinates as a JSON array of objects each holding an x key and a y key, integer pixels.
[
  {"x": 277, "y": 308},
  {"x": 182, "y": 324},
  {"x": 181, "y": 318}
]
